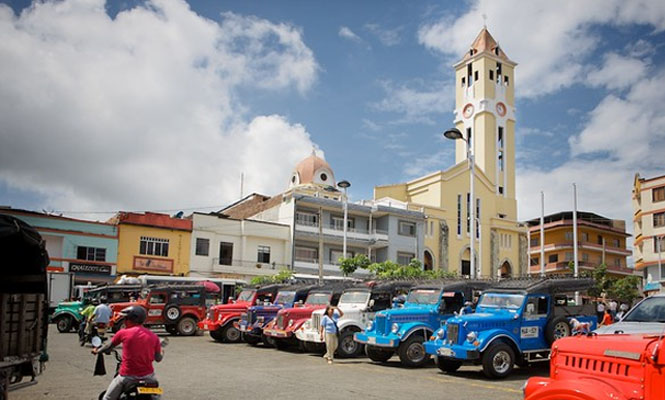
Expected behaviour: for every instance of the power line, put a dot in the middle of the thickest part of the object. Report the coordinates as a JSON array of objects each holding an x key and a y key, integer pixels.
[{"x": 135, "y": 211}]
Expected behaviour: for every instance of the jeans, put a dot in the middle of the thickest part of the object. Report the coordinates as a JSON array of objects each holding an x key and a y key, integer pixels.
[
  {"x": 120, "y": 383},
  {"x": 331, "y": 345}
]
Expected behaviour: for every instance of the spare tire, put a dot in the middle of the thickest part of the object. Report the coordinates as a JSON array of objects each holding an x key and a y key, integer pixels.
[
  {"x": 557, "y": 328},
  {"x": 172, "y": 312}
]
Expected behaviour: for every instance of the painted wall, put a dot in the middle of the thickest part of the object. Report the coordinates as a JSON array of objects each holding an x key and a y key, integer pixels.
[{"x": 129, "y": 257}]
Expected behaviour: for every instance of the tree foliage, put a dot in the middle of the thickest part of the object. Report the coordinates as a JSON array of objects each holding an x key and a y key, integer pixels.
[
  {"x": 349, "y": 265},
  {"x": 282, "y": 276},
  {"x": 623, "y": 289},
  {"x": 392, "y": 270}
]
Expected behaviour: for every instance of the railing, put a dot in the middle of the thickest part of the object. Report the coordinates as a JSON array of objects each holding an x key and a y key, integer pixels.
[
  {"x": 337, "y": 230},
  {"x": 250, "y": 264}
]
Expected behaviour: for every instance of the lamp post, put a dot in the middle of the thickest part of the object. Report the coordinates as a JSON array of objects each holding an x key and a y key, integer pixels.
[
  {"x": 455, "y": 134},
  {"x": 345, "y": 185}
]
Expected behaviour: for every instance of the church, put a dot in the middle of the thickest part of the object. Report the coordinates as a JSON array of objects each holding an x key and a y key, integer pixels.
[{"x": 485, "y": 125}]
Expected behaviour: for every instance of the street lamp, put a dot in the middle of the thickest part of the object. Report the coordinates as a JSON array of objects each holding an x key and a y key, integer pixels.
[
  {"x": 455, "y": 134},
  {"x": 345, "y": 185}
]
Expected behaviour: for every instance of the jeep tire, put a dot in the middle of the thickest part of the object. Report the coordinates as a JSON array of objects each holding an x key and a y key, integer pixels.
[
  {"x": 268, "y": 341},
  {"x": 412, "y": 352},
  {"x": 186, "y": 326},
  {"x": 251, "y": 339},
  {"x": 498, "y": 360},
  {"x": 172, "y": 312},
  {"x": 217, "y": 335},
  {"x": 447, "y": 365},
  {"x": 378, "y": 354},
  {"x": 557, "y": 328},
  {"x": 230, "y": 333},
  {"x": 172, "y": 329},
  {"x": 64, "y": 323},
  {"x": 281, "y": 344},
  {"x": 347, "y": 346}
]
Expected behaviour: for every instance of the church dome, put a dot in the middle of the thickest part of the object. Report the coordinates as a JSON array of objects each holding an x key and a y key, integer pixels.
[{"x": 312, "y": 169}]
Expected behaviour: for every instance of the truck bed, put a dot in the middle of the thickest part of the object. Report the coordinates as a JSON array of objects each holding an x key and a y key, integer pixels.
[{"x": 22, "y": 327}]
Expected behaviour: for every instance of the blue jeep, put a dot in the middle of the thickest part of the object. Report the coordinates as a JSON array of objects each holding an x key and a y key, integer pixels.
[
  {"x": 252, "y": 322},
  {"x": 515, "y": 322},
  {"x": 403, "y": 330}
]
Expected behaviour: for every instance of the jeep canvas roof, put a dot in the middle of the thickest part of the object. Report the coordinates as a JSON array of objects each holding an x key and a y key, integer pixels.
[
  {"x": 455, "y": 285},
  {"x": 550, "y": 285}
]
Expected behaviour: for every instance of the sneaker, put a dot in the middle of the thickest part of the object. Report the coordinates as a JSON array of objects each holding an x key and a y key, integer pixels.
[{"x": 329, "y": 361}]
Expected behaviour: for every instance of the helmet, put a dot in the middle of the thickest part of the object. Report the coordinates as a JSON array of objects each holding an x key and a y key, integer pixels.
[
  {"x": 102, "y": 300},
  {"x": 134, "y": 314},
  {"x": 95, "y": 301}
]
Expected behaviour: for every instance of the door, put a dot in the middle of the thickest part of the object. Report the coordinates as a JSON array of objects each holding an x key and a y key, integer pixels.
[
  {"x": 534, "y": 321},
  {"x": 156, "y": 302}
]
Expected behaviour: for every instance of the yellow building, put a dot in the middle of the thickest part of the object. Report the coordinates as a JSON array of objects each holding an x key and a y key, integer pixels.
[
  {"x": 485, "y": 114},
  {"x": 151, "y": 243}
]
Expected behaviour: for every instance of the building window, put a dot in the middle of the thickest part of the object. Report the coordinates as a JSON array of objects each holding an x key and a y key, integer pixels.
[
  {"x": 535, "y": 260},
  {"x": 569, "y": 256},
  {"x": 407, "y": 228},
  {"x": 463, "y": 81},
  {"x": 506, "y": 80},
  {"x": 404, "y": 258},
  {"x": 658, "y": 194},
  {"x": 338, "y": 223},
  {"x": 585, "y": 257},
  {"x": 475, "y": 75},
  {"x": 477, "y": 218},
  {"x": 659, "y": 220},
  {"x": 552, "y": 258},
  {"x": 500, "y": 189},
  {"x": 154, "y": 246},
  {"x": 585, "y": 237},
  {"x": 498, "y": 72},
  {"x": 569, "y": 235},
  {"x": 469, "y": 69},
  {"x": 491, "y": 75},
  {"x": 306, "y": 254},
  {"x": 263, "y": 254},
  {"x": 535, "y": 242},
  {"x": 459, "y": 214},
  {"x": 202, "y": 246},
  {"x": 617, "y": 262},
  {"x": 600, "y": 239},
  {"x": 225, "y": 253},
  {"x": 659, "y": 247},
  {"x": 468, "y": 211},
  {"x": 337, "y": 254},
  {"x": 616, "y": 243},
  {"x": 91, "y": 253},
  {"x": 307, "y": 219},
  {"x": 469, "y": 138}
]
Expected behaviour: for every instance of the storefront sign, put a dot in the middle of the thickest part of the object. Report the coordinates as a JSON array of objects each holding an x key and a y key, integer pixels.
[
  {"x": 90, "y": 268},
  {"x": 153, "y": 264}
]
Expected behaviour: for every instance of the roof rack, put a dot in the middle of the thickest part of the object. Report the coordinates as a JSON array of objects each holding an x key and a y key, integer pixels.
[{"x": 549, "y": 285}]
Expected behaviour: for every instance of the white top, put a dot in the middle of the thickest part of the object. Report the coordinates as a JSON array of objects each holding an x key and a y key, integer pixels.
[
  {"x": 613, "y": 305},
  {"x": 600, "y": 307}
]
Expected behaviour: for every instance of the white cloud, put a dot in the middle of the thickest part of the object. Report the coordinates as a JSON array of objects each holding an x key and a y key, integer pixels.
[
  {"x": 140, "y": 111},
  {"x": 420, "y": 166},
  {"x": 618, "y": 72},
  {"x": 388, "y": 37},
  {"x": 346, "y": 33},
  {"x": 416, "y": 100},
  {"x": 551, "y": 40}
]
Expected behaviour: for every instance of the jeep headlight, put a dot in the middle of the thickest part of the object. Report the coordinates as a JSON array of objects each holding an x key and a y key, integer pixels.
[
  {"x": 471, "y": 337},
  {"x": 394, "y": 327},
  {"x": 370, "y": 326},
  {"x": 260, "y": 319},
  {"x": 440, "y": 333},
  {"x": 307, "y": 325},
  {"x": 291, "y": 322}
]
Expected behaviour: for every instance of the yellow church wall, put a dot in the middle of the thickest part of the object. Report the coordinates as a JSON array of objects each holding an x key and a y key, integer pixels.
[
  {"x": 397, "y": 192},
  {"x": 510, "y": 157}
]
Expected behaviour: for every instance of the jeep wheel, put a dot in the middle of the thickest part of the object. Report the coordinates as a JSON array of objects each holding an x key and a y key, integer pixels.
[
  {"x": 187, "y": 326},
  {"x": 498, "y": 360},
  {"x": 268, "y": 341},
  {"x": 281, "y": 344},
  {"x": 316, "y": 348},
  {"x": 347, "y": 346},
  {"x": 217, "y": 335},
  {"x": 64, "y": 324},
  {"x": 171, "y": 329},
  {"x": 250, "y": 339},
  {"x": 171, "y": 313},
  {"x": 230, "y": 333},
  {"x": 447, "y": 365},
  {"x": 378, "y": 354},
  {"x": 557, "y": 328},
  {"x": 412, "y": 352}
]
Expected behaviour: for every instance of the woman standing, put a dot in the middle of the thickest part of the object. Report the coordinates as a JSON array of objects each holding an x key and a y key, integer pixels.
[{"x": 329, "y": 327}]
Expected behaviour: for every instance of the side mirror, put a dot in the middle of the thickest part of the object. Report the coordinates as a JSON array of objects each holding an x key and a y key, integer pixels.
[
  {"x": 231, "y": 299},
  {"x": 258, "y": 302},
  {"x": 96, "y": 341},
  {"x": 371, "y": 303}
]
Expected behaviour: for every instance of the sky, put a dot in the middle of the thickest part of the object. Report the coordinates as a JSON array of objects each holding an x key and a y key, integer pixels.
[{"x": 161, "y": 105}]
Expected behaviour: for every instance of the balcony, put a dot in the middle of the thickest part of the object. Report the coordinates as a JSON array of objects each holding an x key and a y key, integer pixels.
[
  {"x": 564, "y": 267},
  {"x": 337, "y": 231},
  {"x": 582, "y": 245}
]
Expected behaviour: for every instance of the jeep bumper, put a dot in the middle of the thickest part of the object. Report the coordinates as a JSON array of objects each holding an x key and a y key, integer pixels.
[
  {"x": 309, "y": 335},
  {"x": 390, "y": 340},
  {"x": 208, "y": 325},
  {"x": 456, "y": 351},
  {"x": 278, "y": 333}
]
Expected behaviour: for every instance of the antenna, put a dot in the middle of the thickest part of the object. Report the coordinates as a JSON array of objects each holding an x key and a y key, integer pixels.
[{"x": 484, "y": 20}]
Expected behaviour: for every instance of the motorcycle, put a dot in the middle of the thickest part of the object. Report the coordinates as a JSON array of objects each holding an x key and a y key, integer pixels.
[
  {"x": 85, "y": 337},
  {"x": 144, "y": 389}
]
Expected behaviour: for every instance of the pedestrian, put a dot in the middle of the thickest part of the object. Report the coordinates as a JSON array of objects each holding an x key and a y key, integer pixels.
[
  {"x": 600, "y": 310},
  {"x": 329, "y": 326},
  {"x": 607, "y": 318},
  {"x": 612, "y": 305},
  {"x": 623, "y": 308}
]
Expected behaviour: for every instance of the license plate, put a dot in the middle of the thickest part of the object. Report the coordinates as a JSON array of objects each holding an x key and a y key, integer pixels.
[
  {"x": 205, "y": 326},
  {"x": 149, "y": 390},
  {"x": 371, "y": 340},
  {"x": 444, "y": 351}
]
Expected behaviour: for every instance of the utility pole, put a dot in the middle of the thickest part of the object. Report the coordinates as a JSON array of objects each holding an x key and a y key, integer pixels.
[
  {"x": 320, "y": 246},
  {"x": 575, "y": 260},
  {"x": 542, "y": 234}
]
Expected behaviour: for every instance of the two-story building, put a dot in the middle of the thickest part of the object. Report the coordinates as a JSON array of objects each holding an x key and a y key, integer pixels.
[
  {"x": 86, "y": 249},
  {"x": 237, "y": 248},
  {"x": 649, "y": 226},
  {"x": 600, "y": 240},
  {"x": 152, "y": 243},
  {"x": 313, "y": 209}
]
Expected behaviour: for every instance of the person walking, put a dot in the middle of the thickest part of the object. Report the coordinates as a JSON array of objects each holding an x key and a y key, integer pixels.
[
  {"x": 612, "y": 305},
  {"x": 600, "y": 310},
  {"x": 329, "y": 327},
  {"x": 623, "y": 308}
]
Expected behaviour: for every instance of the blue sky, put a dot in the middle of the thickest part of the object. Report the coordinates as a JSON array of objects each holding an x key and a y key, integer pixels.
[{"x": 161, "y": 105}]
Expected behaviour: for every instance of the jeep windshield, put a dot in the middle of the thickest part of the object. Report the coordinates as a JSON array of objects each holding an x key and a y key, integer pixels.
[
  {"x": 354, "y": 298},
  {"x": 318, "y": 299},
  {"x": 423, "y": 296},
  {"x": 246, "y": 295},
  {"x": 285, "y": 297},
  {"x": 651, "y": 309},
  {"x": 500, "y": 300}
]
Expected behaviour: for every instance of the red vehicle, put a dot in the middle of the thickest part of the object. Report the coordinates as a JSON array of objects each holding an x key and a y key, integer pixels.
[
  {"x": 603, "y": 367},
  {"x": 177, "y": 308},
  {"x": 284, "y": 326},
  {"x": 222, "y": 319}
]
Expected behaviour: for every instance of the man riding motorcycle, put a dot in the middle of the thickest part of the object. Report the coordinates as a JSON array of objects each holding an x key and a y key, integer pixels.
[
  {"x": 140, "y": 348},
  {"x": 102, "y": 316}
]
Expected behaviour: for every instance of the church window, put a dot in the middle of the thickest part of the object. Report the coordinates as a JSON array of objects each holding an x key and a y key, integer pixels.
[
  {"x": 498, "y": 72},
  {"x": 469, "y": 74},
  {"x": 477, "y": 218},
  {"x": 324, "y": 177},
  {"x": 459, "y": 214},
  {"x": 505, "y": 79},
  {"x": 500, "y": 138},
  {"x": 475, "y": 76},
  {"x": 496, "y": 50},
  {"x": 463, "y": 81},
  {"x": 469, "y": 138},
  {"x": 500, "y": 189},
  {"x": 468, "y": 211},
  {"x": 500, "y": 160},
  {"x": 491, "y": 75}
]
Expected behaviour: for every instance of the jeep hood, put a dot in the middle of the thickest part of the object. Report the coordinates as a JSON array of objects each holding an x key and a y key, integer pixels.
[
  {"x": 606, "y": 345},
  {"x": 398, "y": 312},
  {"x": 632, "y": 327},
  {"x": 70, "y": 304},
  {"x": 239, "y": 306}
]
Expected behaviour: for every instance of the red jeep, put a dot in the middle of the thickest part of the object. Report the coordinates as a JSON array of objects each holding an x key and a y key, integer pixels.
[
  {"x": 603, "y": 367},
  {"x": 178, "y": 308},
  {"x": 221, "y": 319},
  {"x": 284, "y": 326}
]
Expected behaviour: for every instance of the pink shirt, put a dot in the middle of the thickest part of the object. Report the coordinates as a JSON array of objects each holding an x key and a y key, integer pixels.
[{"x": 139, "y": 346}]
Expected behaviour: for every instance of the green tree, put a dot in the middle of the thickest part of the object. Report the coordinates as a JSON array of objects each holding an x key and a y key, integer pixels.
[
  {"x": 625, "y": 289},
  {"x": 282, "y": 276},
  {"x": 349, "y": 265}
]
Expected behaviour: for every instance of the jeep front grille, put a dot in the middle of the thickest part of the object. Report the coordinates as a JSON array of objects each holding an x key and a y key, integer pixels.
[
  {"x": 250, "y": 317},
  {"x": 597, "y": 366},
  {"x": 452, "y": 333},
  {"x": 380, "y": 324},
  {"x": 211, "y": 314},
  {"x": 316, "y": 321},
  {"x": 280, "y": 322}
]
